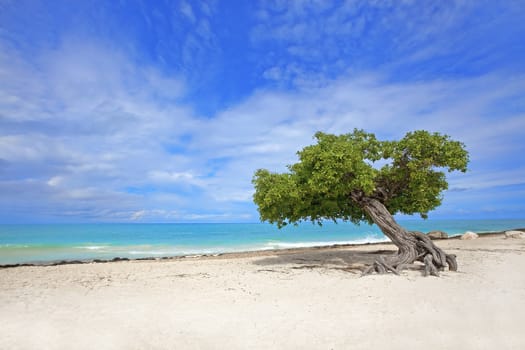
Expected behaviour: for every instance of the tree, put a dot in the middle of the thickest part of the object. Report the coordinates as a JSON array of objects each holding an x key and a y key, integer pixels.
[{"x": 355, "y": 177}]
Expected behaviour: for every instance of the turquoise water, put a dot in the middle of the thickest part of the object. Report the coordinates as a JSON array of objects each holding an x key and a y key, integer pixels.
[{"x": 45, "y": 243}]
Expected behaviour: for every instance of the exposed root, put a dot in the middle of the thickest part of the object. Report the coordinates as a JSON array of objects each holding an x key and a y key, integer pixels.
[
  {"x": 418, "y": 248},
  {"x": 430, "y": 268},
  {"x": 380, "y": 266},
  {"x": 452, "y": 263}
]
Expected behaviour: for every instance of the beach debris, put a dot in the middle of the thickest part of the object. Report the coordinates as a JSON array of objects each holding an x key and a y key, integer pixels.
[
  {"x": 118, "y": 258},
  {"x": 469, "y": 235},
  {"x": 437, "y": 235},
  {"x": 514, "y": 234}
]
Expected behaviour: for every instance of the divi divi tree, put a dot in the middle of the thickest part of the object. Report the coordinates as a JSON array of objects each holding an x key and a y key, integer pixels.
[{"x": 356, "y": 177}]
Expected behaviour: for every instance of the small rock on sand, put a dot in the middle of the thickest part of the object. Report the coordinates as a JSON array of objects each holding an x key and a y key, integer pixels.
[
  {"x": 514, "y": 234},
  {"x": 469, "y": 235},
  {"x": 437, "y": 235}
]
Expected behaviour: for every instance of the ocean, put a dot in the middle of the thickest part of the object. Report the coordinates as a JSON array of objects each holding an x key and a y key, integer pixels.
[{"x": 43, "y": 243}]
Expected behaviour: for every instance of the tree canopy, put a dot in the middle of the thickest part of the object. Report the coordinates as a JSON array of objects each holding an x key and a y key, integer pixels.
[{"x": 407, "y": 176}]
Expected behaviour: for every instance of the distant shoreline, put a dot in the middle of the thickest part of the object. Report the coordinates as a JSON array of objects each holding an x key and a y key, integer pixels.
[{"x": 242, "y": 254}]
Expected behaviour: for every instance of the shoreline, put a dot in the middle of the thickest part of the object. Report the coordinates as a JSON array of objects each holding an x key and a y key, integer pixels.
[{"x": 241, "y": 254}]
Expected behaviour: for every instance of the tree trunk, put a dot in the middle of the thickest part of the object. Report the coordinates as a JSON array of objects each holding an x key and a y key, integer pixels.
[{"x": 413, "y": 246}]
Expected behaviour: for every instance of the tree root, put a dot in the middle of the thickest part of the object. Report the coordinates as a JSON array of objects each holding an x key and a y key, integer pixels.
[
  {"x": 381, "y": 266},
  {"x": 418, "y": 248}
]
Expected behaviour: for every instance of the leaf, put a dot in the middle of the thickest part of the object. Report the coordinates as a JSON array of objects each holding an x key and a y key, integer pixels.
[{"x": 319, "y": 185}]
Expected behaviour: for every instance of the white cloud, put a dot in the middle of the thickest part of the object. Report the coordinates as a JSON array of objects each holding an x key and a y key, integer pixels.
[
  {"x": 106, "y": 139},
  {"x": 138, "y": 215},
  {"x": 55, "y": 181},
  {"x": 161, "y": 215},
  {"x": 268, "y": 128},
  {"x": 406, "y": 38},
  {"x": 187, "y": 10},
  {"x": 175, "y": 177},
  {"x": 483, "y": 180}
]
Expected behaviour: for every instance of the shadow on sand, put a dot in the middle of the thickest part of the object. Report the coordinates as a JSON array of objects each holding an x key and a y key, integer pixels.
[{"x": 354, "y": 261}]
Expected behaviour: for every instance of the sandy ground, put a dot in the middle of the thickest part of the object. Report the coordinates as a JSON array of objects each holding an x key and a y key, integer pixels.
[{"x": 303, "y": 299}]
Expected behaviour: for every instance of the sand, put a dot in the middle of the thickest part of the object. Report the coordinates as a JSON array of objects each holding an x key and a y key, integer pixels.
[{"x": 299, "y": 299}]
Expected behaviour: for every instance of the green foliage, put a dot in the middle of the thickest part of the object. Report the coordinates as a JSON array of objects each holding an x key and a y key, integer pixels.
[{"x": 338, "y": 167}]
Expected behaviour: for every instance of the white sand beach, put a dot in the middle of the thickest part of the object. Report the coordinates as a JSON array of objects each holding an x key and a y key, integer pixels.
[{"x": 297, "y": 299}]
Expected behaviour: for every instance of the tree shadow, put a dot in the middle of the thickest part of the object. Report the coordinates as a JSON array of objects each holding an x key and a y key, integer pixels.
[{"x": 349, "y": 260}]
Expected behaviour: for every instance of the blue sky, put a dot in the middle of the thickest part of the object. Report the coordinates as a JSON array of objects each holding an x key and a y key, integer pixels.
[{"x": 160, "y": 111}]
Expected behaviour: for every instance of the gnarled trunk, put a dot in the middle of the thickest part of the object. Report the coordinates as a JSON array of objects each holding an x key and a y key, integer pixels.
[{"x": 413, "y": 246}]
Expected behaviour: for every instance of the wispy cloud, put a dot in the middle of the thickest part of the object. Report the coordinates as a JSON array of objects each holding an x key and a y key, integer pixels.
[
  {"x": 187, "y": 10},
  {"x": 312, "y": 40},
  {"x": 116, "y": 119}
]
